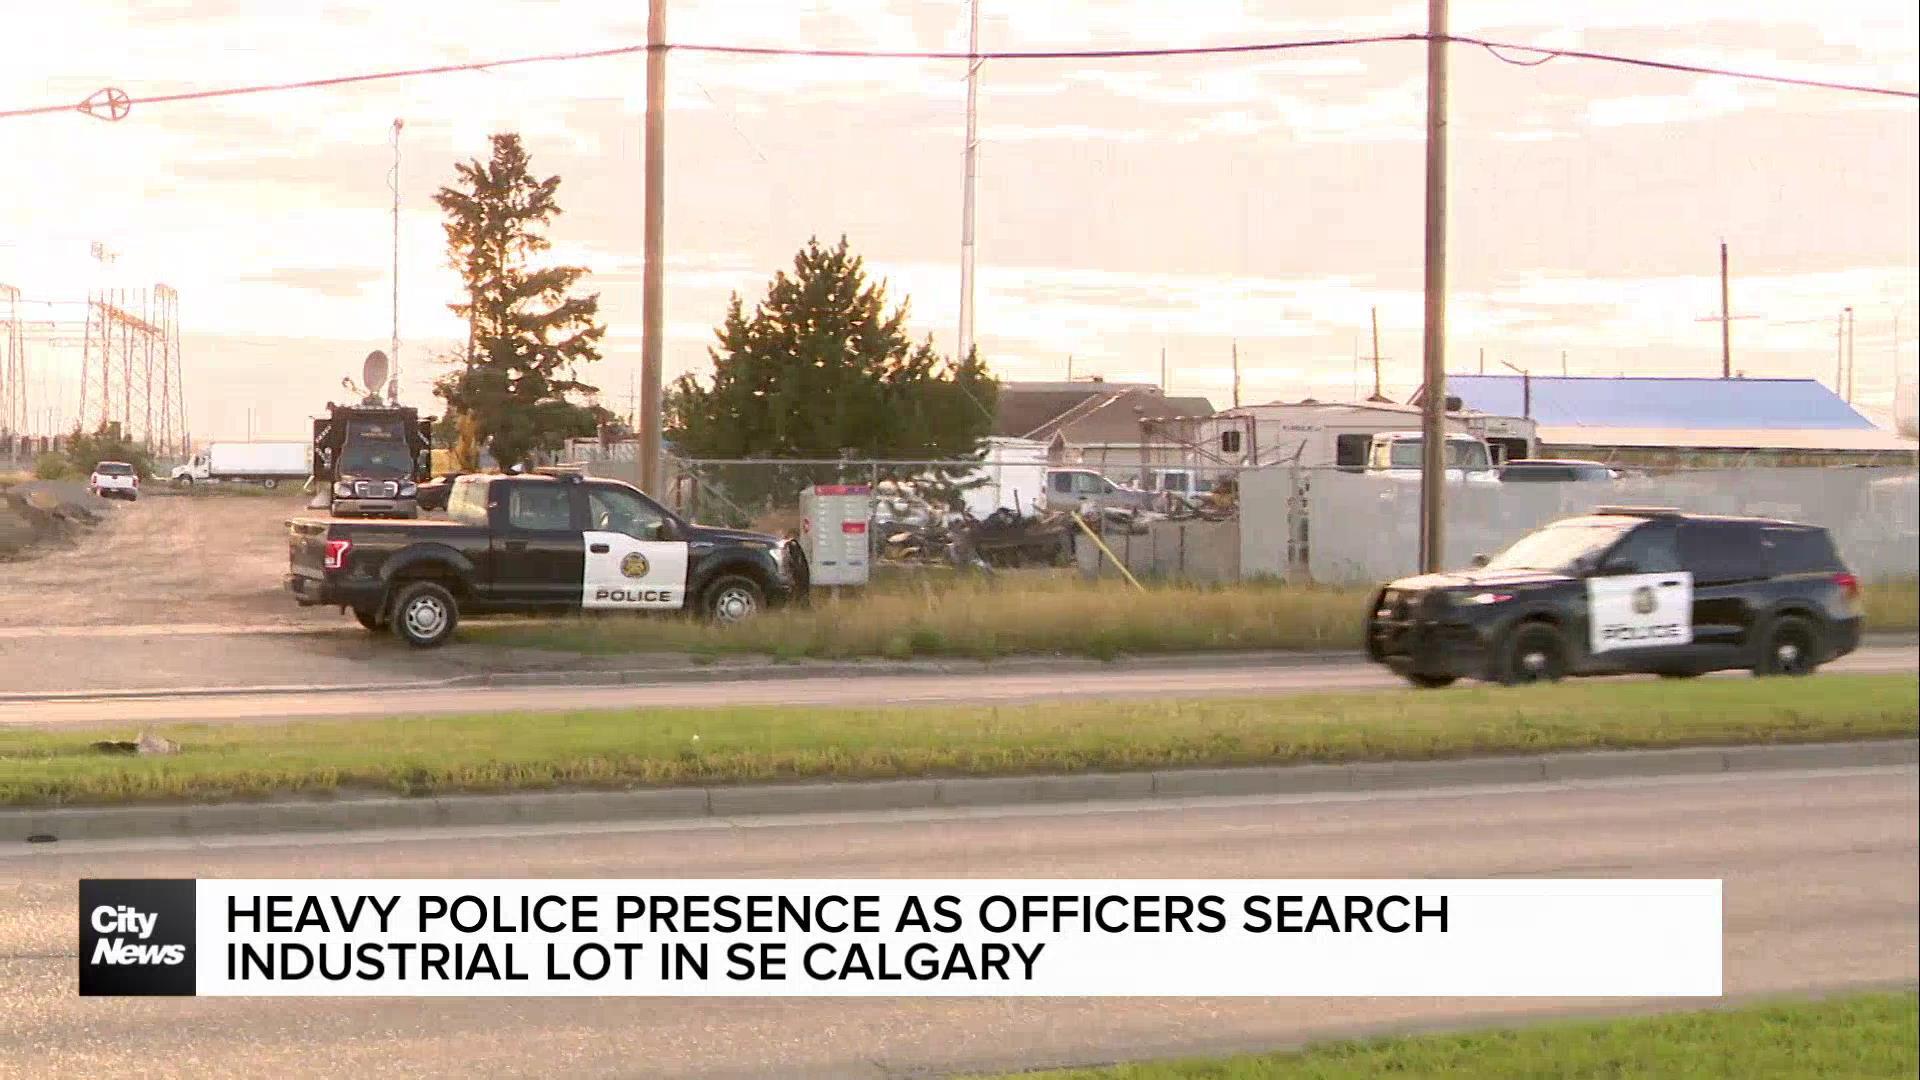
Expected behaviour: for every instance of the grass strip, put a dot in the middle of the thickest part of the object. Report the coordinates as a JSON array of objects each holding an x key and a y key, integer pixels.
[
  {"x": 1027, "y": 613},
  {"x": 1864, "y": 1037},
  {"x": 649, "y": 747}
]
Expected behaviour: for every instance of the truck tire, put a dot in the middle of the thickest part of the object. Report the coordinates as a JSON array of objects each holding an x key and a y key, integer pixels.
[
  {"x": 269, "y": 483},
  {"x": 185, "y": 481},
  {"x": 424, "y": 614},
  {"x": 1534, "y": 652},
  {"x": 732, "y": 598}
]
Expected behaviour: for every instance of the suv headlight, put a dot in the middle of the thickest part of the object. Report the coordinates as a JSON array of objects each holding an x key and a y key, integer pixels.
[
  {"x": 343, "y": 489},
  {"x": 408, "y": 488}
]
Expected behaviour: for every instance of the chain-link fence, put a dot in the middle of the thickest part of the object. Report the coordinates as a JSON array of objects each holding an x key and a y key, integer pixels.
[{"x": 1219, "y": 523}]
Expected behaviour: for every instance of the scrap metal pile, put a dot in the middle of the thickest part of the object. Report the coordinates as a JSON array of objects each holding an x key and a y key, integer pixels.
[{"x": 912, "y": 525}]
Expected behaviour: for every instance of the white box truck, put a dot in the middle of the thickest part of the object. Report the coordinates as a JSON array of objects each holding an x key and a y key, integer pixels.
[
  {"x": 265, "y": 463},
  {"x": 1012, "y": 475}
]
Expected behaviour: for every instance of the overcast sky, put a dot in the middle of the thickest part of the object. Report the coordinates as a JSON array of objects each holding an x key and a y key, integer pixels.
[{"x": 1125, "y": 206}]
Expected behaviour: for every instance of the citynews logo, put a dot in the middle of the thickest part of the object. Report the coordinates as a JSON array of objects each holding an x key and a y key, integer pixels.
[{"x": 136, "y": 938}]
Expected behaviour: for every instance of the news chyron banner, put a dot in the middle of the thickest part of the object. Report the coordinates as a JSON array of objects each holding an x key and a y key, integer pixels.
[{"x": 919, "y": 938}]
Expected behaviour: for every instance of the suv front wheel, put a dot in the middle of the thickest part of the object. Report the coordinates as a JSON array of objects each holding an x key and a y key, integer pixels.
[{"x": 1791, "y": 647}]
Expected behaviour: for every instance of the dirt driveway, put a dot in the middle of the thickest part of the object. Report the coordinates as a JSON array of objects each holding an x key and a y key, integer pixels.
[{"x": 166, "y": 560}]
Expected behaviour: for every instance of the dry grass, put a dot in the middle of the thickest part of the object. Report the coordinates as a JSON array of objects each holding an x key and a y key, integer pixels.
[
  {"x": 1029, "y": 613},
  {"x": 624, "y": 748}
]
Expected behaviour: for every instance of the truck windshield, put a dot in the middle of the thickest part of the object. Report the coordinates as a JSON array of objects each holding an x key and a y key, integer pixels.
[
  {"x": 375, "y": 450},
  {"x": 1559, "y": 548},
  {"x": 1461, "y": 454}
]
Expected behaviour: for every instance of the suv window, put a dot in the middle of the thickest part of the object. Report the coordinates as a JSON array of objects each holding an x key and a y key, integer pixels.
[
  {"x": 1799, "y": 551},
  {"x": 540, "y": 507},
  {"x": 1063, "y": 483},
  {"x": 1649, "y": 549},
  {"x": 1721, "y": 552},
  {"x": 113, "y": 468},
  {"x": 1089, "y": 484},
  {"x": 1536, "y": 472},
  {"x": 611, "y": 509}
]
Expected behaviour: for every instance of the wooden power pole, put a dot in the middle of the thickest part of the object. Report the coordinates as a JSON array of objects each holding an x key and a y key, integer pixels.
[
  {"x": 1434, "y": 356},
  {"x": 653, "y": 272}
]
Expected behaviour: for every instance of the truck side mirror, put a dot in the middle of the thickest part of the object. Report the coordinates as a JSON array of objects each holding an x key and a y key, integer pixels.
[{"x": 1480, "y": 560}]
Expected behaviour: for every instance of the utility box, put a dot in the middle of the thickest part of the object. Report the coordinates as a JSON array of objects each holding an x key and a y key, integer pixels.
[{"x": 833, "y": 529}]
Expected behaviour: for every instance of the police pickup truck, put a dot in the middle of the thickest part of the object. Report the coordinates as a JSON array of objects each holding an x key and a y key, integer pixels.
[
  {"x": 1626, "y": 590},
  {"x": 536, "y": 543}
]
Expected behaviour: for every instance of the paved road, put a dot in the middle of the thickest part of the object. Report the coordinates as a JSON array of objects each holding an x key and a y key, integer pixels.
[
  {"x": 1160, "y": 680},
  {"x": 1821, "y": 875}
]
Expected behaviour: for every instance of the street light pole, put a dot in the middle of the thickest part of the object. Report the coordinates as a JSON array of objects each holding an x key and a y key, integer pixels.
[
  {"x": 653, "y": 272},
  {"x": 1434, "y": 404}
]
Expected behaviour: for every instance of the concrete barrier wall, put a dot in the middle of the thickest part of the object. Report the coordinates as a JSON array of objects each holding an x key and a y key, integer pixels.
[{"x": 1364, "y": 529}]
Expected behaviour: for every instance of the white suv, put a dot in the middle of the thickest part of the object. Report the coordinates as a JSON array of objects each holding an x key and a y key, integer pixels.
[{"x": 115, "y": 480}]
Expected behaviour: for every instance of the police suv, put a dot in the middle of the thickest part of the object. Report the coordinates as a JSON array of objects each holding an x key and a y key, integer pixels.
[
  {"x": 536, "y": 543},
  {"x": 1626, "y": 590}
]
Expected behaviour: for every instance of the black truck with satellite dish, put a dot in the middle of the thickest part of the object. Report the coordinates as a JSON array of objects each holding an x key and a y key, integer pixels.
[{"x": 370, "y": 457}]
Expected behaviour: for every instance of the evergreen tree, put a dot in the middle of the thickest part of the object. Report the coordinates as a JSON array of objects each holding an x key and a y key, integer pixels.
[
  {"x": 526, "y": 335},
  {"x": 822, "y": 369}
]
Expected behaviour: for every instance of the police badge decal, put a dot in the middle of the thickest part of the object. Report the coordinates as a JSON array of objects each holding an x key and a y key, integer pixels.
[{"x": 634, "y": 565}]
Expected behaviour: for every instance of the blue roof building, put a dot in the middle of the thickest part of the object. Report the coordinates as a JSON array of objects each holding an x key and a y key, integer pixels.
[{"x": 1635, "y": 417}]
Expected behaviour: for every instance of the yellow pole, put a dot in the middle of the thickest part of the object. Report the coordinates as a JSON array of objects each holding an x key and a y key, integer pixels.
[{"x": 1118, "y": 565}]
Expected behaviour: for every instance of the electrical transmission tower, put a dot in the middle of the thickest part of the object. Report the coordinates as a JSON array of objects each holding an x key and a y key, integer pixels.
[
  {"x": 13, "y": 365},
  {"x": 130, "y": 367}
]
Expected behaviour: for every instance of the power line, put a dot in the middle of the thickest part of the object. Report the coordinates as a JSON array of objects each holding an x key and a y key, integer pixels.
[{"x": 117, "y": 103}]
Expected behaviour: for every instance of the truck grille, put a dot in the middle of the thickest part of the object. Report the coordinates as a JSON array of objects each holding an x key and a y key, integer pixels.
[{"x": 375, "y": 489}]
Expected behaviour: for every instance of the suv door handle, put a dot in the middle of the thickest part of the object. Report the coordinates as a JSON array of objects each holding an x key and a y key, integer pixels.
[
  {"x": 1669, "y": 584},
  {"x": 599, "y": 549}
]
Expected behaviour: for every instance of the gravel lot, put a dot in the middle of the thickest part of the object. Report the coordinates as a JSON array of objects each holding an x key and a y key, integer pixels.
[{"x": 166, "y": 560}]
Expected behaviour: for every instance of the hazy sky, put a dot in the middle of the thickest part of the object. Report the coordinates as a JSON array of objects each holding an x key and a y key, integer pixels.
[{"x": 1124, "y": 205}]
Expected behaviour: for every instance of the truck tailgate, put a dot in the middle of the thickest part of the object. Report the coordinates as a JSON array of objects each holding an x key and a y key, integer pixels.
[{"x": 307, "y": 548}]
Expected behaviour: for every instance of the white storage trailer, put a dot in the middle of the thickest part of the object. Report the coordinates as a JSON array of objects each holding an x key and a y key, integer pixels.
[
  {"x": 1013, "y": 476},
  {"x": 266, "y": 463}
]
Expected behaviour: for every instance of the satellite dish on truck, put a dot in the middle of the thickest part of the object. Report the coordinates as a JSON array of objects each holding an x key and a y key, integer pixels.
[{"x": 373, "y": 374}]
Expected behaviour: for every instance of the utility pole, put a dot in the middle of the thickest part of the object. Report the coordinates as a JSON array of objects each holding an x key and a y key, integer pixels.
[
  {"x": 1563, "y": 363},
  {"x": 1236, "y": 374},
  {"x": 393, "y": 380},
  {"x": 653, "y": 274},
  {"x": 1069, "y": 367},
  {"x": 1840, "y": 354},
  {"x": 1849, "y": 355},
  {"x": 1726, "y": 319},
  {"x": 1376, "y": 355},
  {"x": 1483, "y": 359},
  {"x": 1433, "y": 405},
  {"x": 966, "y": 192},
  {"x": 1163, "y": 371}
]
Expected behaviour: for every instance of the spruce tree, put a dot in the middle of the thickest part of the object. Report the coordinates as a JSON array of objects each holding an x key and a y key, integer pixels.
[
  {"x": 526, "y": 334},
  {"x": 822, "y": 368}
]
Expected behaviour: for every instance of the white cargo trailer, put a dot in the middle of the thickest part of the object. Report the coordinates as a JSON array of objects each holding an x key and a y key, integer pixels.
[
  {"x": 1013, "y": 476},
  {"x": 266, "y": 463}
]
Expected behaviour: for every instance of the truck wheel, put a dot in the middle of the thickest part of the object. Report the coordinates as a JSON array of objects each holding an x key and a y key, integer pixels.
[
  {"x": 1791, "y": 647},
  {"x": 1534, "y": 653},
  {"x": 369, "y": 619},
  {"x": 185, "y": 481},
  {"x": 1429, "y": 682},
  {"x": 269, "y": 483},
  {"x": 733, "y": 599},
  {"x": 424, "y": 615}
]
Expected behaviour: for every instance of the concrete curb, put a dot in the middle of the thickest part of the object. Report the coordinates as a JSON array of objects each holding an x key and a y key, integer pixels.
[
  {"x": 718, "y": 673},
  {"x": 743, "y": 800}
]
